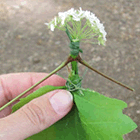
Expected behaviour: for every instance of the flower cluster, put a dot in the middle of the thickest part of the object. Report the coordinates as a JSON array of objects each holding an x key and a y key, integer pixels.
[{"x": 91, "y": 29}]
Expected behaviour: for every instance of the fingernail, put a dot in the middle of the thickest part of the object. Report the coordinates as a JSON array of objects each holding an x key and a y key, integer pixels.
[{"x": 61, "y": 101}]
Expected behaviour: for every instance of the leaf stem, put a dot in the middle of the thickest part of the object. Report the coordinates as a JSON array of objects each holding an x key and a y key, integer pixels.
[
  {"x": 109, "y": 78},
  {"x": 63, "y": 64}
]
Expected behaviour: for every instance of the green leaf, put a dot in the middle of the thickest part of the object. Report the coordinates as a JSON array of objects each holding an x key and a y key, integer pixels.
[
  {"x": 41, "y": 91},
  {"x": 68, "y": 128},
  {"x": 102, "y": 117},
  {"x": 94, "y": 117}
]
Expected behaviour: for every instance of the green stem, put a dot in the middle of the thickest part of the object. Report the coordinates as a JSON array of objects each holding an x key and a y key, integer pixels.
[
  {"x": 50, "y": 74},
  {"x": 74, "y": 65}
]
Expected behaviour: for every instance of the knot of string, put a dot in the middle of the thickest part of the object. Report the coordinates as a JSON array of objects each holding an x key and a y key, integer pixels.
[
  {"x": 74, "y": 84},
  {"x": 74, "y": 48},
  {"x": 71, "y": 86},
  {"x": 74, "y": 45}
]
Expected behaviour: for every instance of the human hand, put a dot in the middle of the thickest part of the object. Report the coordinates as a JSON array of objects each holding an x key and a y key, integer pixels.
[{"x": 38, "y": 114}]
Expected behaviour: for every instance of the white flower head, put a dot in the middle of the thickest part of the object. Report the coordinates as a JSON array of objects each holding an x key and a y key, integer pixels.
[{"x": 91, "y": 29}]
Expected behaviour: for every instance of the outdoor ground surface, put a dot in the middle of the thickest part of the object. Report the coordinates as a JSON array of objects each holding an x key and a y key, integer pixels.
[{"x": 26, "y": 45}]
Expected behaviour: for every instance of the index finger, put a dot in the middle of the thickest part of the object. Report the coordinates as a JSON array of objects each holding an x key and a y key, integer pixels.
[{"x": 12, "y": 85}]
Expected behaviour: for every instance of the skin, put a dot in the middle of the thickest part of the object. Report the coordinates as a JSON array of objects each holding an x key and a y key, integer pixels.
[{"x": 38, "y": 114}]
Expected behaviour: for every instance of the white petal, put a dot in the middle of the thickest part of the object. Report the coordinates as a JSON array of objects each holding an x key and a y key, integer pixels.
[
  {"x": 77, "y": 15},
  {"x": 80, "y": 8},
  {"x": 60, "y": 14},
  {"x": 55, "y": 21},
  {"x": 46, "y": 24},
  {"x": 52, "y": 27},
  {"x": 76, "y": 19}
]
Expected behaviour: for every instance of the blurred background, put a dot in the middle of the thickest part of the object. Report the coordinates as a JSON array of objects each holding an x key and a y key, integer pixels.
[{"x": 26, "y": 45}]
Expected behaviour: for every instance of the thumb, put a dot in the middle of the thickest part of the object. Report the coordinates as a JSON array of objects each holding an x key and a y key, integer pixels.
[{"x": 37, "y": 115}]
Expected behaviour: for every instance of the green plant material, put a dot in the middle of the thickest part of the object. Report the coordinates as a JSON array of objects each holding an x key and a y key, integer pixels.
[
  {"x": 94, "y": 117},
  {"x": 74, "y": 45},
  {"x": 81, "y": 25},
  {"x": 74, "y": 83},
  {"x": 102, "y": 117},
  {"x": 41, "y": 91},
  {"x": 68, "y": 128}
]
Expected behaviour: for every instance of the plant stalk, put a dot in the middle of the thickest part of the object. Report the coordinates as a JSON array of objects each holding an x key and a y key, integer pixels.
[
  {"x": 107, "y": 77},
  {"x": 74, "y": 65}
]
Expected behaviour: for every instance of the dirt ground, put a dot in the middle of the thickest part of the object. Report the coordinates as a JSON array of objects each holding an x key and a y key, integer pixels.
[{"x": 26, "y": 45}]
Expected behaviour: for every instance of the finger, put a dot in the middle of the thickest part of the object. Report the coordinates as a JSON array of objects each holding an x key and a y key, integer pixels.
[
  {"x": 12, "y": 85},
  {"x": 37, "y": 115}
]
